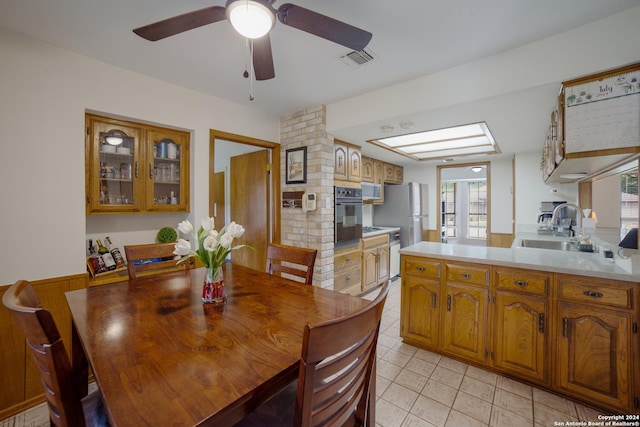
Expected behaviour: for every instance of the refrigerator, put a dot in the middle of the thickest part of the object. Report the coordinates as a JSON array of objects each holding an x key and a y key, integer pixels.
[{"x": 405, "y": 206}]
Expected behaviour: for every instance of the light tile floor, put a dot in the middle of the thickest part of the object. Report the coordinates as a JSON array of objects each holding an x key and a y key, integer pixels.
[{"x": 417, "y": 388}]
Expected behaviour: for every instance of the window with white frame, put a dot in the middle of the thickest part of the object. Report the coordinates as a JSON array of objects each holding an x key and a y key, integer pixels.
[
  {"x": 628, "y": 201},
  {"x": 449, "y": 209},
  {"x": 477, "y": 222}
]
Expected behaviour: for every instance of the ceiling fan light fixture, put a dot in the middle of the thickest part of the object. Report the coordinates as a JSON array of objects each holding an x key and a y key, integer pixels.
[{"x": 252, "y": 19}]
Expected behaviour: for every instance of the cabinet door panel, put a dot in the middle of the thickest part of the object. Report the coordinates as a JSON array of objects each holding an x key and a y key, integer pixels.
[
  {"x": 465, "y": 321},
  {"x": 355, "y": 165},
  {"x": 167, "y": 183},
  {"x": 420, "y": 310},
  {"x": 383, "y": 264},
  {"x": 520, "y": 335},
  {"x": 340, "y": 162},
  {"x": 113, "y": 180},
  {"x": 369, "y": 268},
  {"x": 594, "y": 352}
]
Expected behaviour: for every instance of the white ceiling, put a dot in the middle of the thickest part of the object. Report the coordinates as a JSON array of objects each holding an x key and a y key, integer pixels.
[{"x": 411, "y": 38}]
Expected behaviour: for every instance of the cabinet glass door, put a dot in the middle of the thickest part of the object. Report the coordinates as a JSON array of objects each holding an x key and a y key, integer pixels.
[
  {"x": 114, "y": 154},
  {"x": 168, "y": 154}
]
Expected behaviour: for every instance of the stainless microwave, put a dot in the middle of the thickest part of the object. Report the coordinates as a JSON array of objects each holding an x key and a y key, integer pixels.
[{"x": 371, "y": 191}]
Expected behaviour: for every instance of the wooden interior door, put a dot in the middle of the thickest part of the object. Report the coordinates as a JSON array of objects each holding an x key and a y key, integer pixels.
[
  {"x": 219, "y": 201},
  {"x": 249, "y": 199}
]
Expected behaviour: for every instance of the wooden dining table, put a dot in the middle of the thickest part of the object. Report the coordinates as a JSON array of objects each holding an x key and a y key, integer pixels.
[{"x": 161, "y": 357}]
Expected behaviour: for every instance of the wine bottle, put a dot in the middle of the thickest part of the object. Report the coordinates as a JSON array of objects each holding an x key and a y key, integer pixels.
[
  {"x": 115, "y": 253},
  {"x": 106, "y": 256}
]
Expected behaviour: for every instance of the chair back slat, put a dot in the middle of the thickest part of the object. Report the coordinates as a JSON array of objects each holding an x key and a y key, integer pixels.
[
  {"x": 161, "y": 252},
  {"x": 291, "y": 262},
  {"x": 336, "y": 380}
]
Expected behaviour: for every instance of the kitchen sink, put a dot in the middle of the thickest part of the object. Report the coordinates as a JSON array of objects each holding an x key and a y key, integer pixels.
[{"x": 558, "y": 245}]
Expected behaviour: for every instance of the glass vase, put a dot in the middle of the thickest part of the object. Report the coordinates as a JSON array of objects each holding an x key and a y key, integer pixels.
[{"x": 213, "y": 288}]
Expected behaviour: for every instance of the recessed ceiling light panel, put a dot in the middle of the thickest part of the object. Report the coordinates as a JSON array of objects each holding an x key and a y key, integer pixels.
[{"x": 465, "y": 140}]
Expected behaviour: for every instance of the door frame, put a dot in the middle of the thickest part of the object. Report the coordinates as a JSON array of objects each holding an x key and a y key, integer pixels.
[{"x": 275, "y": 207}]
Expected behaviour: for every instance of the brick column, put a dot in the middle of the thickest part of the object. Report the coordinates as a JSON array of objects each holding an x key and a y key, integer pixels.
[{"x": 313, "y": 229}]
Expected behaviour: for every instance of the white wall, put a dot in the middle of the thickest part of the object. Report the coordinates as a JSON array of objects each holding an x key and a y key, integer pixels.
[
  {"x": 531, "y": 190},
  {"x": 44, "y": 93}
]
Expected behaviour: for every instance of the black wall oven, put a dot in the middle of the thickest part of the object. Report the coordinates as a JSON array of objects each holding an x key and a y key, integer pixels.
[{"x": 348, "y": 216}]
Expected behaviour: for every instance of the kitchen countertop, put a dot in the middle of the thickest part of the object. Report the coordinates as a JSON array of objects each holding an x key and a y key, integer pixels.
[
  {"x": 579, "y": 263},
  {"x": 382, "y": 230}
]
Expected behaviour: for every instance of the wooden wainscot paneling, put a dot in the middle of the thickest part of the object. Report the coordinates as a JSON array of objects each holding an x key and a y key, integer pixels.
[{"x": 500, "y": 240}]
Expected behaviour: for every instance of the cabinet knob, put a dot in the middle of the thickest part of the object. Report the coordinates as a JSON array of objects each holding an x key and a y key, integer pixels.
[
  {"x": 593, "y": 294},
  {"x": 465, "y": 275},
  {"x": 421, "y": 269},
  {"x": 348, "y": 259},
  {"x": 520, "y": 283}
]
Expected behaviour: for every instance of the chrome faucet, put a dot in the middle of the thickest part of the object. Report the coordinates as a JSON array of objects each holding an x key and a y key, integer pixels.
[{"x": 554, "y": 215}]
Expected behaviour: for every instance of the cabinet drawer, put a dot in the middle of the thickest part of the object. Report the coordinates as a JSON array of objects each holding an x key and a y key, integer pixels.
[
  {"x": 347, "y": 279},
  {"x": 598, "y": 291},
  {"x": 346, "y": 261},
  {"x": 467, "y": 274},
  {"x": 522, "y": 281},
  {"x": 375, "y": 241},
  {"x": 421, "y": 267}
]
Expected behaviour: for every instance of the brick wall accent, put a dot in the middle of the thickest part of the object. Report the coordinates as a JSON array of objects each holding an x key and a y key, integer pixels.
[{"x": 313, "y": 229}]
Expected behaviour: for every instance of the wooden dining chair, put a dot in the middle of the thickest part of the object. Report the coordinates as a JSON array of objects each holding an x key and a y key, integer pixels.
[
  {"x": 162, "y": 253},
  {"x": 67, "y": 408},
  {"x": 291, "y": 261},
  {"x": 336, "y": 379}
]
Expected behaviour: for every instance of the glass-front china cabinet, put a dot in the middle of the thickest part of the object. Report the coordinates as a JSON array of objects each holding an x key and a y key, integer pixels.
[{"x": 135, "y": 168}]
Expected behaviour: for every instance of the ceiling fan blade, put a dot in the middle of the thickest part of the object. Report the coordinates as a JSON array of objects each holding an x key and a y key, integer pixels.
[
  {"x": 263, "y": 58},
  {"x": 323, "y": 26},
  {"x": 181, "y": 23}
]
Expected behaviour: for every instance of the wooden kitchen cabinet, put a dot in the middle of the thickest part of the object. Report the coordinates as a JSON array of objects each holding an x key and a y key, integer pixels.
[
  {"x": 378, "y": 178},
  {"x": 420, "y": 297},
  {"x": 570, "y": 334},
  {"x": 521, "y": 324},
  {"x": 465, "y": 329},
  {"x": 347, "y": 268},
  {"x": 347, "y": 162},
  {"x": 367, "y": 169},
  {"x": 375, "y": 261},
  {"x": 595, "y": 330},
  {"x": 147, "y": 172}
]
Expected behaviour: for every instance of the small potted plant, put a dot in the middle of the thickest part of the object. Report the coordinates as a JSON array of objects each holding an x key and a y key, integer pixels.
[{"x": 167, "y": 235}]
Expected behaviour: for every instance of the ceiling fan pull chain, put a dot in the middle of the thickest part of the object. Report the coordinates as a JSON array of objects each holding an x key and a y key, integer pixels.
[
  {"x": 246, "y": 59},
  {"x": 252, "y": 74}
]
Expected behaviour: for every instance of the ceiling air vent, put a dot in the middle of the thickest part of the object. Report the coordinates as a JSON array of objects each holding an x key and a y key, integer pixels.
[{"x": 357, "y": 58}]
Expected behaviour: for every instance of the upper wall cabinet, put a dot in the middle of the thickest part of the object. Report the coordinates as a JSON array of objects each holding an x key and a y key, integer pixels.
[
  {"x": 135, "y": 168},
  {"x": 595, "y": 125},
  {"x": 347, "y": 162}
]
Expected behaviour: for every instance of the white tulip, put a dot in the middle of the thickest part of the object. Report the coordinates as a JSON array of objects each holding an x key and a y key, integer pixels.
[
  {"x": 208, "y": 224},
  {"x": 210, "y": 243},
  {"x": 226, "y": 240},
  {"x": 235, "y": 230},
  {"x": 185, "y": 227},
  {"x": 182, "y": 248}
]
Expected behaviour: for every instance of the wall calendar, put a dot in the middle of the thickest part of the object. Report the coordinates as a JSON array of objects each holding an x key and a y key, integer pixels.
[{"x": 603, "y": 113}]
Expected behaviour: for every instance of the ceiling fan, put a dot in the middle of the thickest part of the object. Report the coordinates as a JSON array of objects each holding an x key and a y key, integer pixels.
[{"x": 254, "y": 19}]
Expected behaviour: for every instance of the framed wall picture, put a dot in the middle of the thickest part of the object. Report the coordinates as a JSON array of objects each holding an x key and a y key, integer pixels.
[{"x": 296, "y": 164}]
